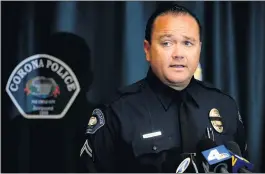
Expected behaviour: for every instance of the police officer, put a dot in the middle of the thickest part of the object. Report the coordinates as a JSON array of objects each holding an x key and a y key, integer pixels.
[{"x": 148, "y": 124}]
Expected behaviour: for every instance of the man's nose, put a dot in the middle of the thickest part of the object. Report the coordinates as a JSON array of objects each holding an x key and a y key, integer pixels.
[
  {"x": 177, "y": 53},
  {"x": 178, "y": 57}
]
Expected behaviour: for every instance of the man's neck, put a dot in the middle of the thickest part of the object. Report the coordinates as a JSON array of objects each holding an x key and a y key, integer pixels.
[{"x": 179, "y": 87}]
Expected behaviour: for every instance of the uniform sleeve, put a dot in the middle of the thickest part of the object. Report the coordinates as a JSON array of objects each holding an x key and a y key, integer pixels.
[
  {"x": 100, "y": 146},
  {"x": 240, "y": 136}
]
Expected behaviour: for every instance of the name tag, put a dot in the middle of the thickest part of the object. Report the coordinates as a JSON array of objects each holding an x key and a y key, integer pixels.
[{"x": 153, "y": 134}]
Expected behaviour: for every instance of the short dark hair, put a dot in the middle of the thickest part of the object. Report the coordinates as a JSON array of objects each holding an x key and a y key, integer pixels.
[{"x": 164, "y": 9}]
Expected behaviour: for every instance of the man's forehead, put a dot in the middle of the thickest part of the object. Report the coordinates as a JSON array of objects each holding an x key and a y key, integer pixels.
[
  {"x": 171, "y": 25},
  {"x": 174, "y": 34}
]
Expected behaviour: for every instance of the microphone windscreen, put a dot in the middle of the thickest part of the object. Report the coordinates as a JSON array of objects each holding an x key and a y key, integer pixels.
[
  {"x": 205, "y": 144},
  {"x": 233, "y": 147}
]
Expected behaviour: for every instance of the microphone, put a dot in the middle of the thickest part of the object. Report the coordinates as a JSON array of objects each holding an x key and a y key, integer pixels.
[
  {"x": 187, "y": 165},
  {"x": 213, "y": 158},
  {"x": 239, "y": 164}
]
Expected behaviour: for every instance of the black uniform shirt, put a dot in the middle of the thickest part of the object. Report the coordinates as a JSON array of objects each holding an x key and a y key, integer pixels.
[{"x": 139, "y": 130}]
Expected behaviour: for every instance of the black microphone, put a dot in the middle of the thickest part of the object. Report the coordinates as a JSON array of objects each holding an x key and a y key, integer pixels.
[
  {"x": 239, "y": 164},
  {"x": 188, "y": 164},
  {"x": 213, "y": 158}
]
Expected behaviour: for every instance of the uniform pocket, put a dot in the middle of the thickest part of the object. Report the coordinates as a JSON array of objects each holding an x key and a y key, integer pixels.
[{"x": 152, "y": 145}]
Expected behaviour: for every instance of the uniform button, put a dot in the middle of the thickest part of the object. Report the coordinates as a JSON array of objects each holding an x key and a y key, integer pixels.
[{"x": 154, "y": 148}]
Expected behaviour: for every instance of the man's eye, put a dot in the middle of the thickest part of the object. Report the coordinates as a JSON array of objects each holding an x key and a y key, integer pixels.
[
  {"x": 188, "y": 43},
  {"x": 166, "y": 44}
]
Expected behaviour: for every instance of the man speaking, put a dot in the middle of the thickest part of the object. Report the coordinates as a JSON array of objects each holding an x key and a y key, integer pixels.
[{"x": 150, "y": 124}]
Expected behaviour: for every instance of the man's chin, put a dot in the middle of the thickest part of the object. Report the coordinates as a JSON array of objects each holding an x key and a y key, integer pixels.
[{"x": 180, "y": 81}]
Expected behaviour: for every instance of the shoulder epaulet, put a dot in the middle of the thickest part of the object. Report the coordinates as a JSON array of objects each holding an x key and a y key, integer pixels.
[
  {"x": 131, "y": 89},
  {"x": 207, "y": 85},
  {"x": 212, "y": 87},
  {"x": 127, "y": 90}
]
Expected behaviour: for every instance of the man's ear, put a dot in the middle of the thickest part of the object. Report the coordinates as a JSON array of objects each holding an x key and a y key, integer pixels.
[{"x": 147, "y": 50}]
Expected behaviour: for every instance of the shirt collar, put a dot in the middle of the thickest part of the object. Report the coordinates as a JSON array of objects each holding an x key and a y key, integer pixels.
[
  {"x": 192, "y": 91},
  {"x": 166, "y": 95}
]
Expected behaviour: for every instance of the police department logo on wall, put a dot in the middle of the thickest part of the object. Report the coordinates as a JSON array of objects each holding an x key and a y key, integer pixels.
[
  {"x": 216, "y": 120},
  {"x": 42, "y": 87}
]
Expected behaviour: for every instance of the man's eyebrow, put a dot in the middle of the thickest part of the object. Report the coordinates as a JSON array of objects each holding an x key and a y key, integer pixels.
[
  {"x": 190, "y": 38},
  {"x": 171, "y": 36},
  {"x": 166, "y": 36}
]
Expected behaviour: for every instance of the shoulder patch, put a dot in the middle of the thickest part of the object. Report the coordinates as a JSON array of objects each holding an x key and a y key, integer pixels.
[{"x": 96, "y": 121}]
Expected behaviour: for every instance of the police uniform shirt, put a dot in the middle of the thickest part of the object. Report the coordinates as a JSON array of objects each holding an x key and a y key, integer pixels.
[{"x": 139, "y": 130}]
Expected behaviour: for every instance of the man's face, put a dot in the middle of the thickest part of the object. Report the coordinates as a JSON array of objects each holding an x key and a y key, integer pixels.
[{"x": 175, "y": 48}]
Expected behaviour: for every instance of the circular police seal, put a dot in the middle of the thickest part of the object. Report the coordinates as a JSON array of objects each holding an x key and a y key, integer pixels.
[
  {"x": 96, "y": 121},
  {"x": 216, "y": 120},
  {"x": 183, "y": 165},
  {"x": 42, "y": 87}
]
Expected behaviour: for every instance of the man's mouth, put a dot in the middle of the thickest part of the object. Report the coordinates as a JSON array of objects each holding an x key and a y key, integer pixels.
[{"x": 177, "y": 66}]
